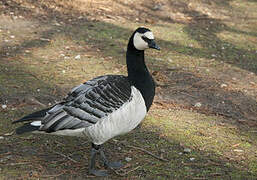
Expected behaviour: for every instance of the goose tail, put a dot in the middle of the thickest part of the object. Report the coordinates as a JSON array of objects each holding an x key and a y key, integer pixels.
[{"x": 33, "y": 121}]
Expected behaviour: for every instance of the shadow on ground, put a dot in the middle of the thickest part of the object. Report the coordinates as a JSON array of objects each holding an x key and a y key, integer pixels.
[{"x": 57, "y": 157}]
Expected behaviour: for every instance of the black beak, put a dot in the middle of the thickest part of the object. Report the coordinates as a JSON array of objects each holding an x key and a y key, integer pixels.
[{"x": 153, "y": 45}]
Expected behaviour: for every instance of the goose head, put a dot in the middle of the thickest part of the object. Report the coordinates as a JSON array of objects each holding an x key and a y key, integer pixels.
[{"x": 143, "y": 39}]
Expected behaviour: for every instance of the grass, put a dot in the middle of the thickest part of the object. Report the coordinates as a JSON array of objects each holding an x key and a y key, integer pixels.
[{"x": 204, "y": 44}]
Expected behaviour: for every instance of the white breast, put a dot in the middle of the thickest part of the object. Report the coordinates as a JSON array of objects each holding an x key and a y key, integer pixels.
[{"x": 121, "y": 121}]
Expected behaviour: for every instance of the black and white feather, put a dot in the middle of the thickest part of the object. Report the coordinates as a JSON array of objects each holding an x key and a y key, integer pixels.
[{"x": 99, "y": 109}]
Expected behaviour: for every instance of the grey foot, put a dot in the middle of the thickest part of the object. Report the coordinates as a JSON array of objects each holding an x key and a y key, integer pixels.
[
  {"x": 114, "y": 165},
  {"x": 100, "y": 173}
]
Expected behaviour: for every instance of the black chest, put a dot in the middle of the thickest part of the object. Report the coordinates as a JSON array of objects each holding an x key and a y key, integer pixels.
[{"x": 147, "y": 88}]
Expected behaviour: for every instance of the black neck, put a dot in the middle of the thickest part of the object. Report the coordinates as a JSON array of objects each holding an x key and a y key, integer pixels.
[
  {"x": 136, "y": 64},
  {"x": 139, "y": 75}
]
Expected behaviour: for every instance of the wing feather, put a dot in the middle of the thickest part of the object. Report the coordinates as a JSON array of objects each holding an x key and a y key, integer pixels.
[{"x": 87, "y": 103}]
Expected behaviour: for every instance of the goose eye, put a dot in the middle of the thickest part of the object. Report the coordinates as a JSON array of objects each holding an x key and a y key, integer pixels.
[{"x": 146, "y": 39}]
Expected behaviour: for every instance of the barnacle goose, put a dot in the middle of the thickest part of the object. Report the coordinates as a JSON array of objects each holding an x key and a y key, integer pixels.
[{"x": 103, "y": 107}]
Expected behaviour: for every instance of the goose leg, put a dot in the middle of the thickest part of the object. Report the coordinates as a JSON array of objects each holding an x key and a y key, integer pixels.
[
  {"x": 92, "y": 170},
  {"x": 114, "y": 165}
]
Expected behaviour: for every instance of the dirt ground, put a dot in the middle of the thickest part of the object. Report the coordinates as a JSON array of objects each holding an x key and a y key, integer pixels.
[{"x": 206, "y": 80}]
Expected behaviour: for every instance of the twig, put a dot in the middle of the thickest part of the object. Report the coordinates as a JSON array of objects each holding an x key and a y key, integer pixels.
[
  {"x": 253, "y": 131},
  {"x": 63, "y": 155},
  {"x": 209, "y": 175},
  {"x": 125, "y": 173},
  {"x": 7, "y": 134},
  {"x": 151, "y": 154},
  {"x": 202, "y": 165},
  {"x": 188, "y": 94},
  {"x": 34, "y": 100},
  {"x": 199, "y": 178},
  {"x": 54, "y": 175},
  {"x": 5, "y": 154},
  {"x": 214, "y": 174},
  {"x": 21, "y": 163},
  {"x": 33, "y": 75}
]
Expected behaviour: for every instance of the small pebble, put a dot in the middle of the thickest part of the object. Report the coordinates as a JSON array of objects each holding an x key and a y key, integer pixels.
[
  {"x": 187, "y": 150},
  {"x": 223, "y": 85},
  {"x": 192, "y": 159},
  {"x": 162, "y": 150},
  {"x": 77, "y": 57},
  {"x": 198, "y": 104},
  {"x": 4, "y": 106},
  {"x": 170, "y": 60},
  {"x": 12, "y": 37},
  {"x": 238, "y": 150},
  {"x": 57, "y": 24},
  {"x": 119, "y": 148},
  {"x": 63, "y": 71},
  {"x": 45, "y": 39},
  {"x": 1, "y": 137},
  {"x": 157, "y": 7},
  {"x": 180, "y": 153},
  {"x": 128, "y": 159}
]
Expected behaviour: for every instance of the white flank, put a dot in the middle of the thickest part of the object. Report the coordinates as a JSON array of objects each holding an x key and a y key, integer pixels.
[
  {"x": 36, "y": 123},
  {"x": 121, "y": 121},
  {"x": 66, "y": 132},
  {"x": 139, "y": 43},
  {"x": 70, "y": 132}
]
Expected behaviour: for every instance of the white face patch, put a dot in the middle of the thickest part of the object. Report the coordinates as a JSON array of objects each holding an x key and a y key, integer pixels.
[
  {"x": 139, "y": 43},
  {"x": 149, "y": 35}
]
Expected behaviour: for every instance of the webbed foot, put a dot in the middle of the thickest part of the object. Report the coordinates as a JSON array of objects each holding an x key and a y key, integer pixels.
[
  {"x": 114, "y": 165},
  {"x": 100, "y": 173}
]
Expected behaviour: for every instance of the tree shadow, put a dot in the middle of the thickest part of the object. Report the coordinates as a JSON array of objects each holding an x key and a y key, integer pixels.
[
  {"x": 186, "y": 90},
  {"x": 39, "y": 156},
  {"x": 205, "y": 32},
  {"x": 204, "y": 29}
]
